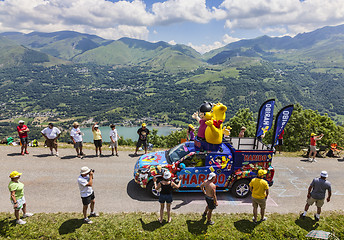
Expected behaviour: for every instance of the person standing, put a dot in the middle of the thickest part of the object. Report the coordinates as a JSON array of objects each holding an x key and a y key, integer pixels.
[
  {"x": 209, "y": 189},
  {"x": 16, "y": 189},
  {"x": 313, "y": 146},
  {"x": 85, "y": 182},
  {"x": 22, "y": 131},
  {"x": 242, "y": 132},
  {"x": 51, "y": 134},
  {"x": 280, "y": 141},
  {"x": 143, "y": 133},
  {"x": 76, "y": 136},
  {"x": 316, "y": 194},
  {"x": 260, "y": 191},
  {"x": 97, "y": 139},
  {"x": 166, "y": 185},
  {"x": 114, "y": 139},
  {"x": 190, "y": 134}
]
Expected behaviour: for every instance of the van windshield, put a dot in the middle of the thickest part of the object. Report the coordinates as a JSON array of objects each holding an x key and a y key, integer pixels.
[{"x": 177, "y": 152}]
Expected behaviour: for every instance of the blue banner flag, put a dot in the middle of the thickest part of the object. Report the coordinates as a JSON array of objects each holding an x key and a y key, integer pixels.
[
  {"x": 282, "y": 119},
  {"x": 265, "y": 117}
]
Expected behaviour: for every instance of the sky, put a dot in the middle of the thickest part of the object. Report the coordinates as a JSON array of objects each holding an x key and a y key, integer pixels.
[{"x": 201, "y": 24}]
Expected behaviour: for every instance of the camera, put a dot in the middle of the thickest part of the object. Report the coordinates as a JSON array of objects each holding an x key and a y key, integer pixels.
[{"x": 92, "y": 170}]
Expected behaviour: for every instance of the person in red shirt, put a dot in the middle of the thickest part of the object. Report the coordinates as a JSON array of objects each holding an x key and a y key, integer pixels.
[
  {"x": 280, "y": 141},
  {"x": 22, "y": 131},
  {"x": 312, "y": 147}
]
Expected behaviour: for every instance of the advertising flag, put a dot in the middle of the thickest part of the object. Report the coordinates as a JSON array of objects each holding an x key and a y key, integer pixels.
[
  {"x": 265, "y": 117},
  {"x": 282, "y": 119}
]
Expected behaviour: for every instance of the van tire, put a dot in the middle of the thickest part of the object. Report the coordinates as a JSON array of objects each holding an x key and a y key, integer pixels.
[
  {"x": 151, "y": 190},
  {"x": 240, "y": 189}
]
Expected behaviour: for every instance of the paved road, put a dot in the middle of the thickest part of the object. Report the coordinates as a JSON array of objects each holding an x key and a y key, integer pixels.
[{"x": 51, "y": 184}]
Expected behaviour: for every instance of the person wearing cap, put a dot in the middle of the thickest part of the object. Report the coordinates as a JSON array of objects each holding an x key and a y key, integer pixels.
[
  {"x": 166, "y": 185},
  {"x": 114, "y": 139},
  {"x": 143, "y": 133},
  {"x": 97, "y": 139},
  {"x": 242, "y": 132},
  {"x": 22, "y": 131},
  {"x": 16, "y": 189},
  {"x": 313, "y": 146},
  {"x": 260, "y": 191},
  {"x": 209, "y": 189},
  {"x": 227, "y": 131},
  {"x": 85, "y": 182},
  {"x": 76, "y": 136},
  {"x": 51, "y": 134},
  {"x": 190, "y": 134},
  {"x": 316, "y": 194}
]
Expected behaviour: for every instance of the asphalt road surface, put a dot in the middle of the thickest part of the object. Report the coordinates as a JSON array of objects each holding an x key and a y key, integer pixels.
[{"x": 51, "y": 184}]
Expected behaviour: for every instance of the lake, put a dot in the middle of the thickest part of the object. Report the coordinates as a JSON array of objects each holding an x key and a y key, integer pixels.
[{"x": 124, "y": 132}]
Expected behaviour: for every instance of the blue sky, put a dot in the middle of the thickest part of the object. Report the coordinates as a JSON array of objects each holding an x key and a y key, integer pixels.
[{"x": 201, "y": 24}]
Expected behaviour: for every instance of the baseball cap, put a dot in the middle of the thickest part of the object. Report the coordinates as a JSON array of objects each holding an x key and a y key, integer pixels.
[
  {"x": 211, "y": 176},
  {"x": 96, "y": 126},
  {"x": 313, "y": 134},
  {"x": 84, "y": 170},
  {"x": 167, "y": 175},
  {"x": 15, "y": 174},
  {"x": 262, "y": 172},
  {"x": 191, "y": 126},
  {"x": 228, "y": 127},
  {"x": 323, "y": 174},
  {"x": 21, "y": 121},
  {"x": 75, "y": 124},
  {"x": 143, "y": 125}
]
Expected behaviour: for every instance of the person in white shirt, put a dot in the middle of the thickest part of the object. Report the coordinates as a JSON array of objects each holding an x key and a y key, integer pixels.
[
  {"x": 85, "y": 182},
  {"x": 114, "y": 139},
  {"x": 76, "y": 136},
  {"x": 51, "y": 134}
]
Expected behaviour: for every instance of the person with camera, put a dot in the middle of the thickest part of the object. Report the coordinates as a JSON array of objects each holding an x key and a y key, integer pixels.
[{"x": 85, "y": 182}]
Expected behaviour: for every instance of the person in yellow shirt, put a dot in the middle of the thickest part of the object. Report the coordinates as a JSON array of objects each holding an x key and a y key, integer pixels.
[
  {"x": 97, "y": 139},
  {"x": 260, "y": 191}
]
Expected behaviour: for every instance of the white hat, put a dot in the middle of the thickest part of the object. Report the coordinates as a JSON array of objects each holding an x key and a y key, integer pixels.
[
  {"x": 211, "y": 176},
  {"x": 85, "y": 170},
  {"x": 323, "y": 174},
  {"x": 167, "y": 175},
  {"x": 21, "y": 121},
  {"x": 96, "y": 126}
]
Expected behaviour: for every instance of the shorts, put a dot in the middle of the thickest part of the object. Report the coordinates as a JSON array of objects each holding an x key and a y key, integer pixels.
[
  {"x": 113, "y": 144},
  {"x": 141, "y": 142},
  {"x": 260, "y": 202},
  {"x": 21, "y": 202},
  {"x": 210, "y": 202},
  {"x": 165, "y": 198},
  {"x": 318, "y": 202},
  {"x": 280, "y": 142},
  {"x": 312, "y": 148},
  {"x": 24, "y": 141},
  {"x": 98, "y": 143},
  {"x": 78, "y": 145},
  {"x": 87, "y": 200},
  {"x": 51, "y": 143}
]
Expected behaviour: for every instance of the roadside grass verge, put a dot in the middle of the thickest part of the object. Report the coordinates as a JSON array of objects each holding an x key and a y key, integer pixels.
[{"x": 183, "y": 226}]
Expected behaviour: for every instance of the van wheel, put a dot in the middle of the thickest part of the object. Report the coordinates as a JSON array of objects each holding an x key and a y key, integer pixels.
[
  {"x": 151, "y": 190},
  {"x": 241, "y": 188}
]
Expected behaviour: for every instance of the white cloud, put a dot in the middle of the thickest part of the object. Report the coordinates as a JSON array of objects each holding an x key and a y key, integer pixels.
[
  {"x": 203, "y": 48},
  {"x": 172, "y": 42}
]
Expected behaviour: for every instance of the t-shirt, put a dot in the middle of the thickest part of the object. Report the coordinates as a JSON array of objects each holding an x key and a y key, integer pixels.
[
  {"x": 313, "y": 141},
  {"x": 259, "y": 186},
  {"x": 22, "y": 135},
  {"x": 97, "y": 135},
  {"x": 319, "y": 188},
  {"x": 113, "y": 135},
  {"x": 51, "y": 133},
  {"x": 76, "y": 134},
  {"x": 143, "y": 134},
  {"x": 85, "y": 191},
  {"x": 281, "y": 135},
  {"x": 18, "y": 187}
]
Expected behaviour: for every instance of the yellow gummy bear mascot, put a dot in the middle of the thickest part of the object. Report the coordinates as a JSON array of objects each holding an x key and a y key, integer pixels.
[{"x": 215, "y": 119}]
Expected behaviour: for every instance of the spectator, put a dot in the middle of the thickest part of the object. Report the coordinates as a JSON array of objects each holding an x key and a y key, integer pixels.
[
  {"x": 22, "y": 131},
  {"x": 143, "y": 133},
  {"x": 316, "y": 194},
  {"x": 280, "y": 141},
  {"x": 51, "y": 134},
  {"x": 76, "y": 136},
  {"x": 190, "y": 133},
  {"x": 227, "y": 131},
  {"x": 166, "y": 186},
  {"x": 97, "y": 139},
  {"x": 313, "y": 146},
  {"x": 209, "y": 189},
  {"x": 16, "y": 189},
  {"x": 242, "y": 132},
  {"x": 114, "y": 139},
  {"x": 85, "y": 182},
  {"x": 260, "y": 191}
]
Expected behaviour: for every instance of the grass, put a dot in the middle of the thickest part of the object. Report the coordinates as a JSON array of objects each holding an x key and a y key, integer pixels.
[{"x": 183, "y": 226}]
